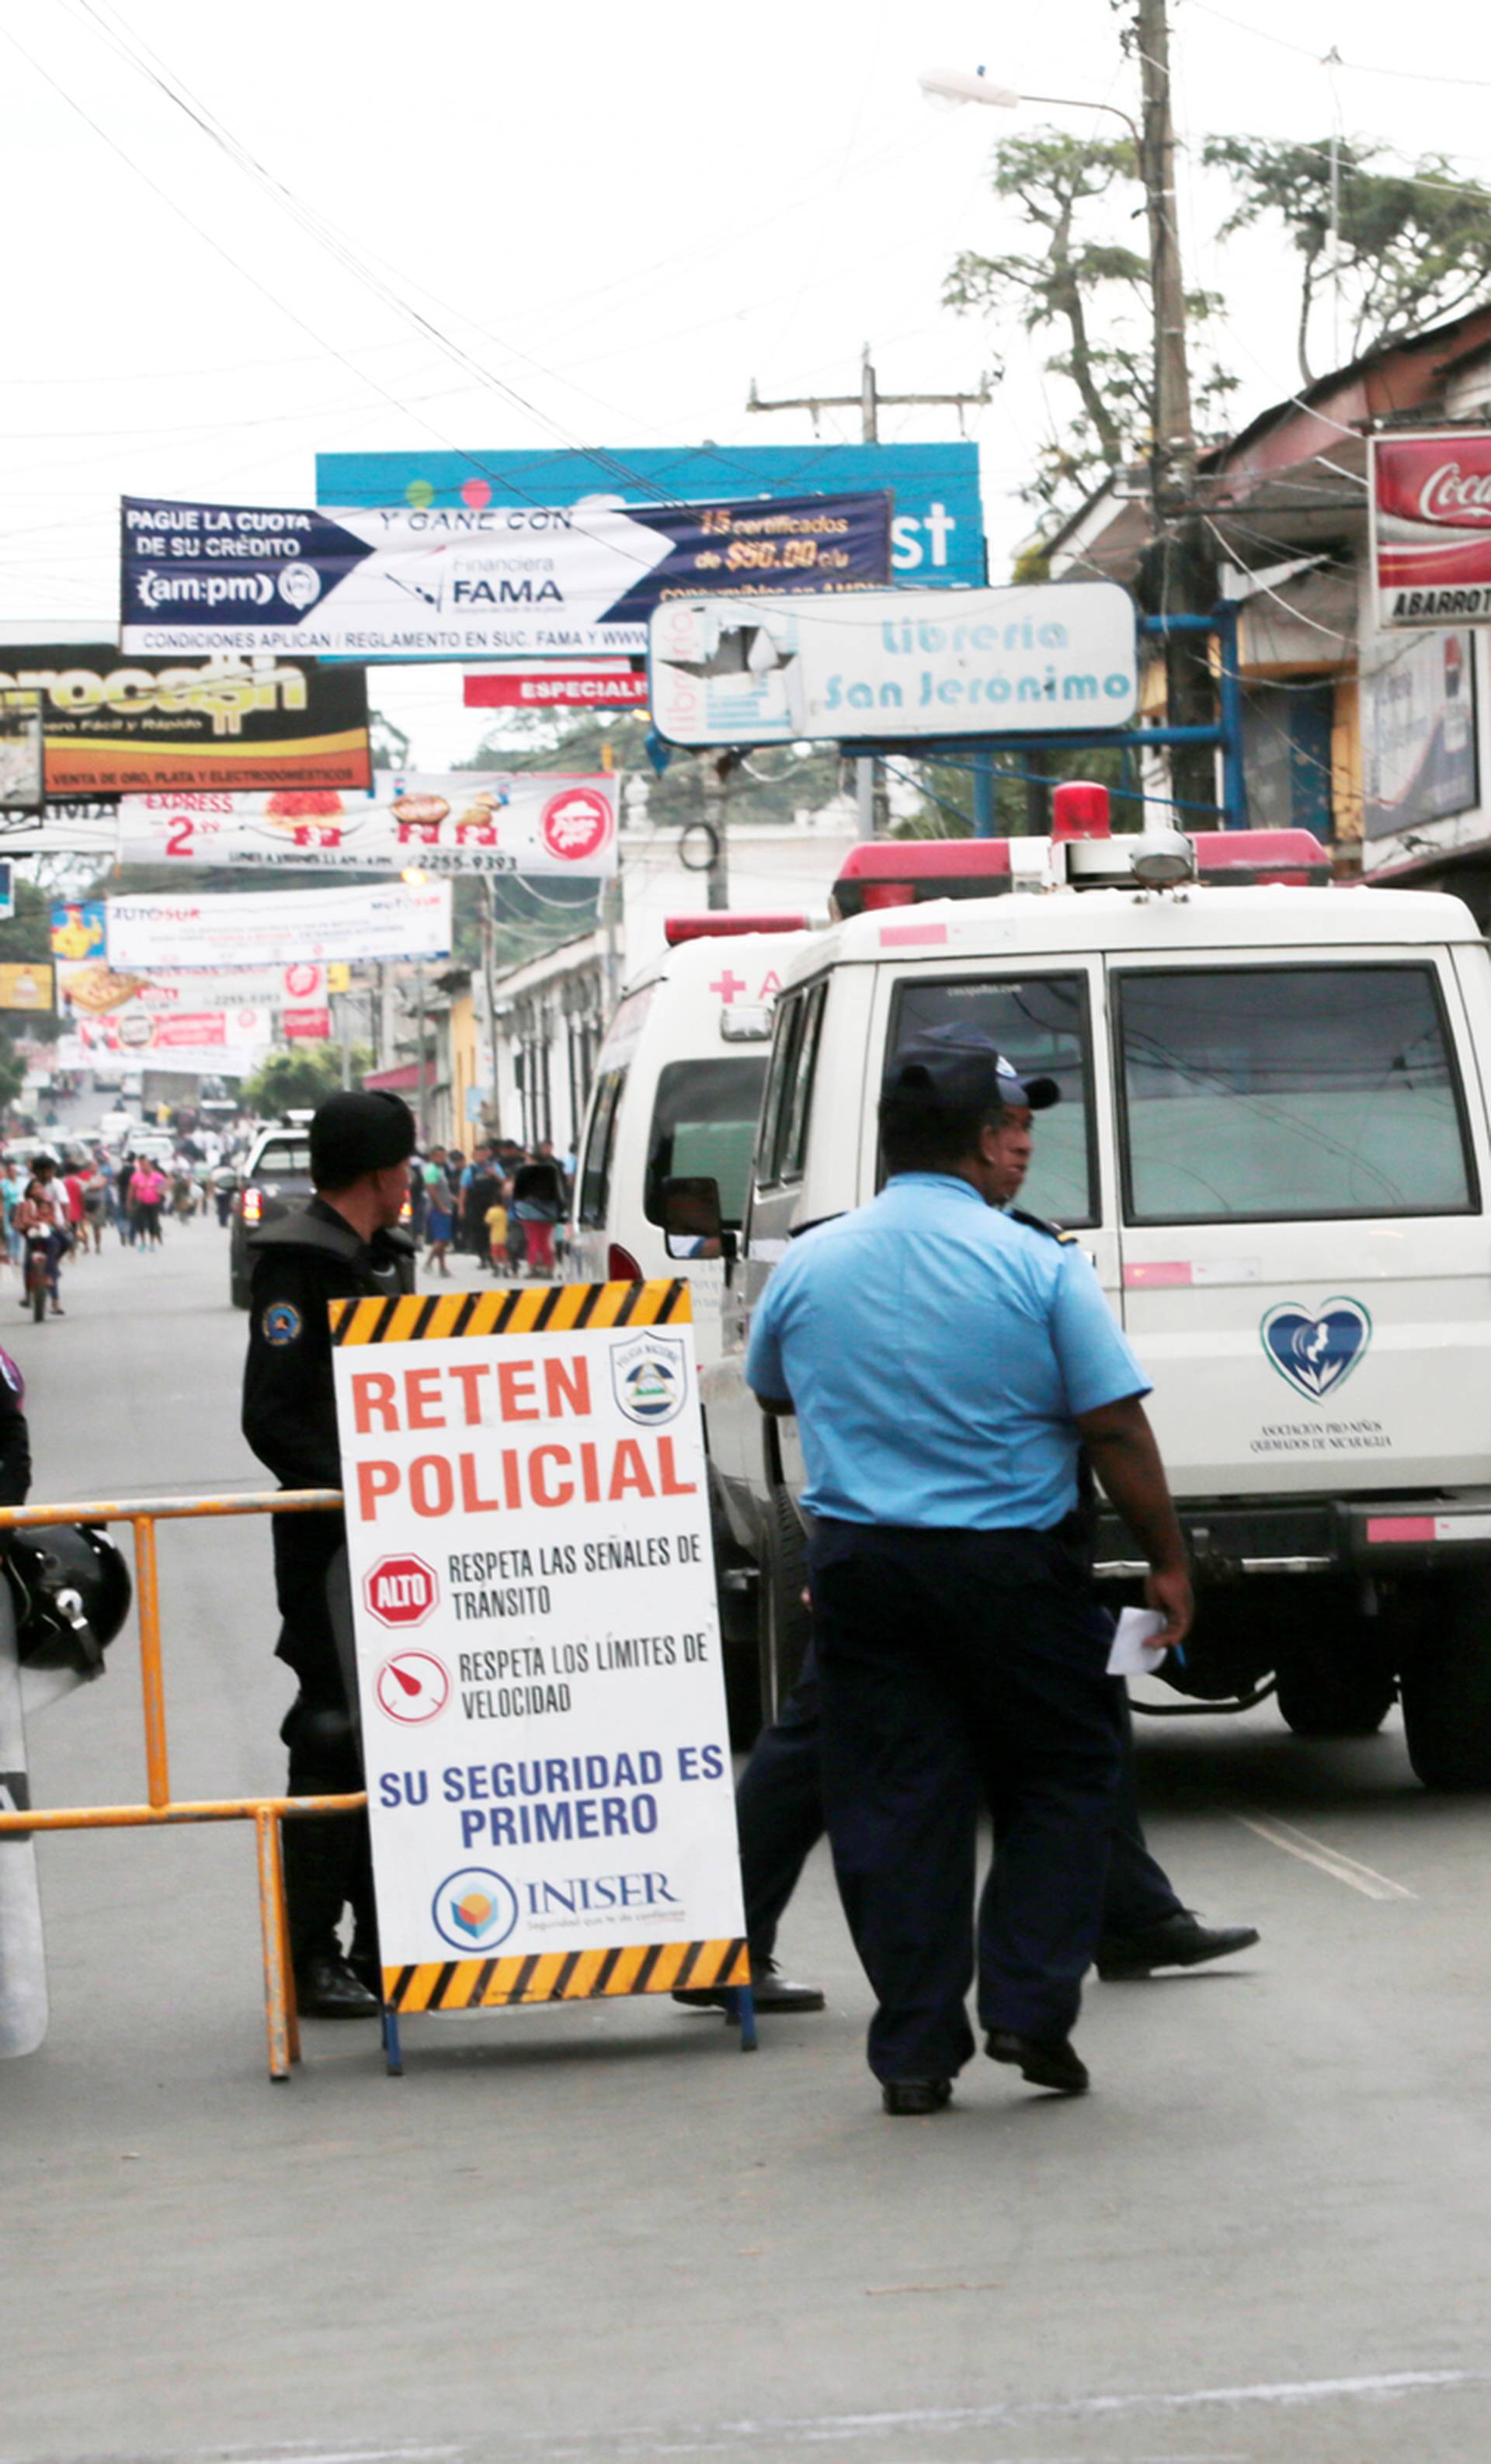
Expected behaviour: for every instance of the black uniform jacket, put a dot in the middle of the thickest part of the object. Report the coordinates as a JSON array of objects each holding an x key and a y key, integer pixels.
[{"x": 301, "y": 1263}]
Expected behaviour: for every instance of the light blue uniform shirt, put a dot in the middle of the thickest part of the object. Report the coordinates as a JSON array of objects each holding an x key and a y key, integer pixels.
[{"x": 936, "y": 1353}]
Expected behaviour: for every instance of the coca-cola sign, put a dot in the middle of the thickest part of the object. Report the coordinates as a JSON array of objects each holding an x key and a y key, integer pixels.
[{"x": 1431, "y": 527}]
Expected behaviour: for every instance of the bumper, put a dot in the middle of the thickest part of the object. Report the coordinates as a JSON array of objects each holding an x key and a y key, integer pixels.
[{"x": 1316, "y": 1536}]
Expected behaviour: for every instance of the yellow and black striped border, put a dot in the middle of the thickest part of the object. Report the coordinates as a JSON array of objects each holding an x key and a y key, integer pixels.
[
  {"x": 566, "y": 1975},
  {"x": 523, "y": 1309}
]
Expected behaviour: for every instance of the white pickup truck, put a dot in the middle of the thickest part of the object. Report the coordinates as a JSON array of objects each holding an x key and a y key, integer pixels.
[{"x": 1275, "y": 1146}]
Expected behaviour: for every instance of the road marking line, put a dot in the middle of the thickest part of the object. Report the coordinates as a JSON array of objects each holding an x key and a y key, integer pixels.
[
  {"x": 818, "y": 2430},
  {"x": 1310, "y": 1851}
]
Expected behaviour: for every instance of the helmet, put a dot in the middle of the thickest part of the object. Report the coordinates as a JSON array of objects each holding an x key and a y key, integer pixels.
[{"x": 72, "y": 1591}]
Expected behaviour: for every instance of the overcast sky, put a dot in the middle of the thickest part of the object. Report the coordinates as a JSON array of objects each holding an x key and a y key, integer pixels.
[{"x": 610, "y": 218}]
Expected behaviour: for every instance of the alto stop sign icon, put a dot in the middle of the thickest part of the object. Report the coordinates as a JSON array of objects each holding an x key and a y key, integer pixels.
[{"x": 400, "y": 1591}]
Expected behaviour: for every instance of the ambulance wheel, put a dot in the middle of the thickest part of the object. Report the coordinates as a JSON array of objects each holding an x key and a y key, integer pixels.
[
  {"x": 1445, "y": 1680},
  {"x": 783, "y": 1626},
  {"x": 1334, "y": 1681}
]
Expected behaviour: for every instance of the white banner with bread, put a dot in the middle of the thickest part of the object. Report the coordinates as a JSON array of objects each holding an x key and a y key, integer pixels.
[{"x": 465, "y": 821}]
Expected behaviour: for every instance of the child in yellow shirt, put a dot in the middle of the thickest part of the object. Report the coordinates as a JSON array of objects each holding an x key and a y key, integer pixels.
[{"x": 497, "y": 1237}]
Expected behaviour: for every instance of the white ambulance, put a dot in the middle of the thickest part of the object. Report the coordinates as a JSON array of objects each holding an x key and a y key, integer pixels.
[
  {"x": 678, "y": 1089},
  {"x": 1274, "y": 1144}
]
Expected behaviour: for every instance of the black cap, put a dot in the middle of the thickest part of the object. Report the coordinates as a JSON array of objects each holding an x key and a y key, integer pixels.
[
  {"x": 952, "y": 1068},
  {"x": 351, "y": 1134}
]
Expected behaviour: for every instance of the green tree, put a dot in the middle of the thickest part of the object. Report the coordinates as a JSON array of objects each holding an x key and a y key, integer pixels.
[
  {"x": 1091, "y": 291},
  {"x": 1413, "y": 247},
  {"x": 299, "y": 1081}
]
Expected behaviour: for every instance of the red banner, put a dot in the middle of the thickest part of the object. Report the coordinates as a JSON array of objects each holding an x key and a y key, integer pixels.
[
  {"x": 1432, "y": 510},
  {"x": 316, "y": 1024},
  {"x": 557, "y": 688}
]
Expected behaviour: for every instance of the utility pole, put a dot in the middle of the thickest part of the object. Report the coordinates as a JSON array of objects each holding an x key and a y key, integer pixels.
[
  {"x": 1182, "y": 577},
  {"x": 869, "y": 775}
]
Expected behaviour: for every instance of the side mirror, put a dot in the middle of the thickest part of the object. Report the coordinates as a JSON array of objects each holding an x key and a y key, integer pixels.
[{"x": 691, "y": 1220}]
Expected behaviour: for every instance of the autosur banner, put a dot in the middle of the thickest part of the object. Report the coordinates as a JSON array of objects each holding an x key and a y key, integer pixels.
[
  {"x": 1431, "y": 498},
  {"x": 111, "y": 724},
  {"x": 469, "y": 580},
  {"x": 538, "y": 1647},
  {"x": 92, "y": 988},
  {"x": 467, "y": 822},
  {"x": 276, "y": 928}
]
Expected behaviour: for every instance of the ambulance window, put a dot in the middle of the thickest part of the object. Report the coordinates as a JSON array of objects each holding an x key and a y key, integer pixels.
[
  {"x": 795, "y": 1124},
  {"x": 600, "y": 1147},
  {"x": 1288, "y": 1093},
  {"x": 705, "y": 1126},
  {"x": 1040, "y": 1023},
  {"x": 782, "y": 1071}
]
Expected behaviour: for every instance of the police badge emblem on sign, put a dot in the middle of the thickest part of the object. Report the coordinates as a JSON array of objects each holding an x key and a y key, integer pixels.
[{"x": 649, "y": 1376}]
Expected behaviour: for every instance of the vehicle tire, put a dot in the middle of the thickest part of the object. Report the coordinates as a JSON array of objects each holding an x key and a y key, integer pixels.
[
  {"x": 1336, "y": 1682},
  {"x": 783, "y": 1624},
  {"x": 241, "y": 1292},
  {"x": 1445, "y": 1681}
]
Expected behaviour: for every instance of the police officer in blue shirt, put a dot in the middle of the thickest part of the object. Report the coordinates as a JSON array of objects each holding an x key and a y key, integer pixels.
[{"x": 946, "y": 1365}]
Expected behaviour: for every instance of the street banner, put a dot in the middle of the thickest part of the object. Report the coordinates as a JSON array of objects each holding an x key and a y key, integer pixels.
[
  {"x": 396, "y": 919},
  {"x": 91, "y": 988},
  {"x": 937, "y": 533},
  {"x": 111, "y": 724},
  {"x": 537, "y": 1645},
  {"x": 1431, "y": 526},
  {"x": 465, "y": 821},
  {"x": 22, "y": 781},
  {"x": 78, "y": 825},
  {"x": 396, "y": 582},
  {"x": 609, "y": 683},
  {"x": 891, "y": 665},
  {"x": 1418, "y": 733},
  {"x": 226, "y": 1041},
  {"x": 26, "y": 987},
  {"x": 78, "y": 928}
]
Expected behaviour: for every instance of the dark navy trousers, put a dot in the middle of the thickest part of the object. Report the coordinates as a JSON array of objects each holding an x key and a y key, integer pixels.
[
  {"x": 960, "y": 1670},
  {"x": 779, "y": 1813}
]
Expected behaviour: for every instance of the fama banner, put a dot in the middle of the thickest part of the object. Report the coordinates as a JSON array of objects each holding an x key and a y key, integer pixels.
[
  {"x": 1431, "y": 501},
  {"x": 111, "y": 724},
  {"x": 467, "y": 821},
  {"x": 470, "y": 581}
]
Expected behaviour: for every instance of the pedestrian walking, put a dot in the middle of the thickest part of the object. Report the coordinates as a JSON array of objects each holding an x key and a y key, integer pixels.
[
  {"x": 947, "y": 1366},
  {"x": 344, "y": 1243},
  {"x": 779, "y": 1804}
]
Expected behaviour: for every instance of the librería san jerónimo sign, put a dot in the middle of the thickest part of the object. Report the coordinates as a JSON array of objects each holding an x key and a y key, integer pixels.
[
  {"x": 542, "y": 1705},
  {"x": 112, "y": 724},
  {"x": 1054, "y": 658},
  {"x": 468, "y": 581}
]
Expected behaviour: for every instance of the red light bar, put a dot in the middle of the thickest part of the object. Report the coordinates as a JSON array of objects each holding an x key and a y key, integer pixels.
[
  {"x": 1079, "y": 810},
  {"x": 885, "y": 873},
  {"x": 1254, "y": 858},
  {"x": 726, "y": 927}
]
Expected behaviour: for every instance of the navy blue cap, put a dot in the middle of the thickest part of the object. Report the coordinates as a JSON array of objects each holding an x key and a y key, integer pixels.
[
  {"x": 951, "y": 1067},
  {"x": 356, "y": 1132}
]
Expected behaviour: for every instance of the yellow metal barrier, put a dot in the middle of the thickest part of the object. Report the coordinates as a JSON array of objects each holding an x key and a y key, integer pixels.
[{"x": 266, "y": 1812}]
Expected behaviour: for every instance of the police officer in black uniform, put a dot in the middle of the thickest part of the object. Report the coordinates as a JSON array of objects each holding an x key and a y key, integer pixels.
[{"x": 343, "y": 1245}]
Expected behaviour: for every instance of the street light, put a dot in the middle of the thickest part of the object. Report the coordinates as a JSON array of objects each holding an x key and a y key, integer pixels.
[{"x": 964, "y": 85}]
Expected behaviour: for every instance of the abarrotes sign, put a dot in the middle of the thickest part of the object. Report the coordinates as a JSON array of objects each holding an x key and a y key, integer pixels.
[{"x": 892, "y": 664}]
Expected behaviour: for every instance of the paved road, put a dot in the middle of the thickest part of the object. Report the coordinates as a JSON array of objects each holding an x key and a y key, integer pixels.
[{"x": 602, "y": 2232}]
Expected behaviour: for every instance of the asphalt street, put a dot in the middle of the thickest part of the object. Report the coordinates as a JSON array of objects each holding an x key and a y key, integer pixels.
[{"x": 602, "y": 2231}]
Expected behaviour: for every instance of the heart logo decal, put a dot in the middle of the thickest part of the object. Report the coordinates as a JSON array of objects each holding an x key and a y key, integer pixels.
[{"x": 1316, "y": 1350}]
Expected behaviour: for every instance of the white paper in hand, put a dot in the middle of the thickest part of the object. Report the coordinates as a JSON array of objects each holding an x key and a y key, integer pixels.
[{"x": 1133, "y": 1654}]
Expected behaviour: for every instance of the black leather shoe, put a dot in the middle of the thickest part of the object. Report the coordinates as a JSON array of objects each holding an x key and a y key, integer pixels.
[
  {"x": 915, "y": 2095},
  {"x": 1179, "y": 1940},
  {"x": 327, "y": 1989},
  {"x": 771, "y": 1989},
  {"x": 1056, "y": 2066},
  {"x": 367, "y": 1970}
]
